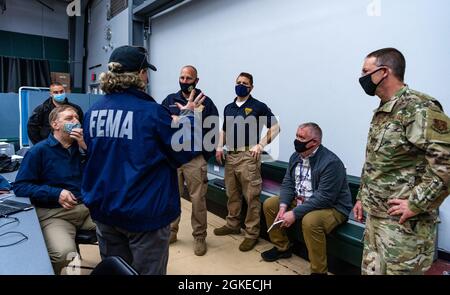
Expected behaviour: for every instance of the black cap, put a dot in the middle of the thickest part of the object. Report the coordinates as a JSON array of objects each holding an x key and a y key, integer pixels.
[{"x": 132, "y": 58}]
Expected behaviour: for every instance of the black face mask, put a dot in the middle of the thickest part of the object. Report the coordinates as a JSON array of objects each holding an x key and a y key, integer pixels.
[
  {"x": 187, "y": 87},
  {"x": 300, "y": 146},
  {"x": 367, "y": 84}
]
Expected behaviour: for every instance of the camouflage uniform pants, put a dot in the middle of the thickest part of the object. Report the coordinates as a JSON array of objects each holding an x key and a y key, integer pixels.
[{"x": 391, "y": 248}]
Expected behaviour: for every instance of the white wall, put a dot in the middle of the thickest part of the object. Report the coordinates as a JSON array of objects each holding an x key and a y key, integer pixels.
[
  {"x": 30, "y": 17},
  {"x": 306, "y": 58},
  {"x": 96, "y": 36},
  {"x": 444, "y": 226}
]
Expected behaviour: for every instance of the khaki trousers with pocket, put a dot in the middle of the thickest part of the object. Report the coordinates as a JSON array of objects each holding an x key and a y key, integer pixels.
[
  {"x": 315, "y": 226},
  {"x": 194, "y": 173},
  {"x": 243, "y": 177},
  {"x": 59, "y": 227}
]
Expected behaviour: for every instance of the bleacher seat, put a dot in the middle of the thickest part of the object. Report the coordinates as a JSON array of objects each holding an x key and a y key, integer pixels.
[{"x": 345, "y": 242}]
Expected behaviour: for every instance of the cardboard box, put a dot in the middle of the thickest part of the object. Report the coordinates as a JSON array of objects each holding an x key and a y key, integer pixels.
[{"x": 63, "y": 78}]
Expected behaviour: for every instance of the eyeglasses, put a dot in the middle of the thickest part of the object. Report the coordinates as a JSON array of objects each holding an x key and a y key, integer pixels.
[{"x": 379, "y": 67}]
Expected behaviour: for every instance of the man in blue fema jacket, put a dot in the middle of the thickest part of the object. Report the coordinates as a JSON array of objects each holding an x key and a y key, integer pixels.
[
  {"x": 315, "y": 192},
  {"x": 130, "y": 180}
]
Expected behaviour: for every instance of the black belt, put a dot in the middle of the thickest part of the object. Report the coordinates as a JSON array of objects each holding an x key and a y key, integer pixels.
[{"x": 240, "y": 150}]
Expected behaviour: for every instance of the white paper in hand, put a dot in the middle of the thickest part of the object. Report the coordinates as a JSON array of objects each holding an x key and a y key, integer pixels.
[{"x": 275, "y": 223}]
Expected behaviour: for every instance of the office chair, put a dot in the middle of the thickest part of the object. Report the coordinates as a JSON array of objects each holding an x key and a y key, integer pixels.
[
  {"x": 86, "y": 237},
  {"x": 114, "y": 265}
]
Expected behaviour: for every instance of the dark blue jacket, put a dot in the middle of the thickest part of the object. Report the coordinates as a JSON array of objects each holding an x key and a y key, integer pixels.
[
  {"x": 46, "y": 170},
  {"x": 130, "y": 178},
  {"x": 209, "y": 109},
  {"x": 328, "y": 181}
]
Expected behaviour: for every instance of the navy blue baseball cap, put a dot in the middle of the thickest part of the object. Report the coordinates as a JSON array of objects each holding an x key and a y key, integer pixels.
[{"x": 132, "y": 58}]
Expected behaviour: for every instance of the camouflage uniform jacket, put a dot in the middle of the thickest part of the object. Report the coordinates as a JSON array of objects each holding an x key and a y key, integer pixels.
[{"x": 407, "y": 155}]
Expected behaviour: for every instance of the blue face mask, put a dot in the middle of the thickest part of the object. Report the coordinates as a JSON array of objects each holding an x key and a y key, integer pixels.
[
  {"x": 242, "y": 90},
  {"x": 69, "y": 126},
  {"x": 59, "y": 97}
]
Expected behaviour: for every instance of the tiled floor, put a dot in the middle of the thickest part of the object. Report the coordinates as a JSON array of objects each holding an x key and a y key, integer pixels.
[{"x": 223, "y": 256}]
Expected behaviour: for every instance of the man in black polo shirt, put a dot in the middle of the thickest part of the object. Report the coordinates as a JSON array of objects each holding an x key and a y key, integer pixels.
[
  {"x": 194, "y": 173},
  {"x": 244, "y": 119}
]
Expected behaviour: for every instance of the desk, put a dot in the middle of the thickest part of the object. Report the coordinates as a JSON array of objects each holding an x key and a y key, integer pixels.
[
  {"x": 10, "y": 176},
  {"x": 29, "y": 257}
]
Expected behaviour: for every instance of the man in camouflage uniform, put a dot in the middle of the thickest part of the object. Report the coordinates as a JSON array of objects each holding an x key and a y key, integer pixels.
[{"x": 406, "y": 175}]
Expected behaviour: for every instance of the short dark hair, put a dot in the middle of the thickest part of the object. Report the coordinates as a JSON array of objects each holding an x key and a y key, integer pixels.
[
  {"x": 392, "y": 58},
  {"x": 248, "y": 76},
  {"x": 315, "y": 128},
  {"x": 55, "y": 84}
]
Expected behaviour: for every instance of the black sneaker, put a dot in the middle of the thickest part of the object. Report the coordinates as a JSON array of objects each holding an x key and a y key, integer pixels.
[{"x": 275, "y": 254}]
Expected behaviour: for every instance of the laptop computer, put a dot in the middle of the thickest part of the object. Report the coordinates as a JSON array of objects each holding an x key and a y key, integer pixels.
[{"x": 9, "y": 207}]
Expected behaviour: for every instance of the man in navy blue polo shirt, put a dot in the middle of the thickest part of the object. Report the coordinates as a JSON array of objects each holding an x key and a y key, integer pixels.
[
  {"x": 244, "y": 119},
  {"x": 130, "y": 181},
  {"x": 50, "y": 175},
  {"x": 194, "y": 173}
]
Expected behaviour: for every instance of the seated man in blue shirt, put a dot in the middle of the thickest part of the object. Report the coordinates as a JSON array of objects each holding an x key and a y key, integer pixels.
[{"x": 50, "y": 175}]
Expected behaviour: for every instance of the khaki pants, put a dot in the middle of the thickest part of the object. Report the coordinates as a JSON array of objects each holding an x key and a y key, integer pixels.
[
  {"x": 243, "y": 177},
  {"x": 195, "y": 175},
  {"x": 59, "y": 227},
  {"x": 315, "y": 225},
  {"x": 391, "y": 248}
]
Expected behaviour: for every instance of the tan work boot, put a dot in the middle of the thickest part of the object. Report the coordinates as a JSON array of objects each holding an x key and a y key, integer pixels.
[
  {"x": 247, "y": 244},
  {"x": 225, "y": 230},
  {"x": 200, "y": 247},
  {"x": 173, "y": 237}
]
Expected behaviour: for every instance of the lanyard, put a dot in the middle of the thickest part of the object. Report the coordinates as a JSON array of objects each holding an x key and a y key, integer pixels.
[{"x": 303, "y": 178}]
